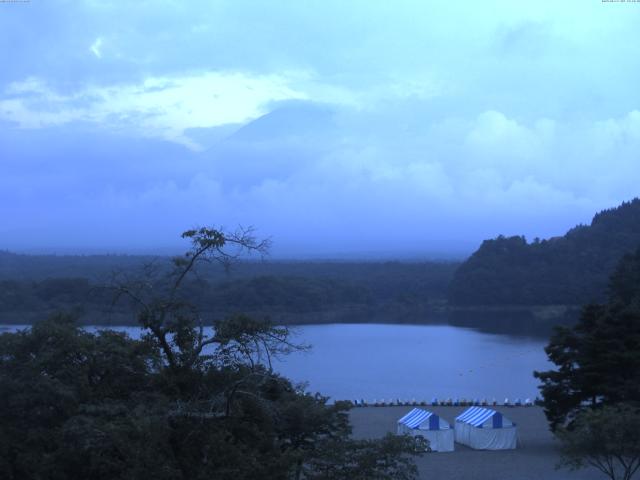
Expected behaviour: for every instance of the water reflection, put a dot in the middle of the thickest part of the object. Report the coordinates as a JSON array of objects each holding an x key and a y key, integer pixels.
[{"x": 514, "y": 323}]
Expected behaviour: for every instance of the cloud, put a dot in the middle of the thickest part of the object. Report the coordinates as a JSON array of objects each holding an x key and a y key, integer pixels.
[
  {"x": 167, "y": 106},
  {"x": 96, "y": 46},
  {"x": 159, "y": 106},
  {"x": 502, "y": 143},
  {"x": 613, "y": 132},
  {"x": 527, "y": 38},
  {"x": 493, "y": 133},
  {"x": 435, "y": 124},
  {"x": 305, "y": 171}
]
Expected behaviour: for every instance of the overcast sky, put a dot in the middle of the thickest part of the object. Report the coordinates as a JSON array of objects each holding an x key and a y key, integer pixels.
[{"x": 371, "y": 128}]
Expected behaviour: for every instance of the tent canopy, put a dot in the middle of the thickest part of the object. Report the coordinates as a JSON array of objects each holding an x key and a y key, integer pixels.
[
  {"x": 485, "y": 429},
  {"x": 426, "y": 424},
  {"x": 423, "y": 420},
  {"x": 479, "y": 417}
]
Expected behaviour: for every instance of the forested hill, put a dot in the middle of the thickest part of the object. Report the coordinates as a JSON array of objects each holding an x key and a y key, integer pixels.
[{"x": 572, "y": 269}]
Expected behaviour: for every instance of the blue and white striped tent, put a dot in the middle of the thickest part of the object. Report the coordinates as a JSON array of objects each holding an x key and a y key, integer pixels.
[
  {"x": 485, "y": 429},
  {"x": 429, "y": 425}
]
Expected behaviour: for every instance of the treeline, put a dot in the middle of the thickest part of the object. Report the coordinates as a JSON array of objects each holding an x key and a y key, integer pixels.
[
  {"x": 268, "y": 287},
  {"x": 568, "y": 270},
  {"x": 38, "y": 267}
]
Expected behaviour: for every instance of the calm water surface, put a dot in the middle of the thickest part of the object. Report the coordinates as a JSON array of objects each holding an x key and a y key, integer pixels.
[
  {"x": 416, "y": 361},
  {"x": 365, "y": 361}
]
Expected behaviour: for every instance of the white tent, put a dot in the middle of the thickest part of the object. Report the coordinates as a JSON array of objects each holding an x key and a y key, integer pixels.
[
  {"x": 485, "y": 429},
  {"x": 430, "y": 426}
]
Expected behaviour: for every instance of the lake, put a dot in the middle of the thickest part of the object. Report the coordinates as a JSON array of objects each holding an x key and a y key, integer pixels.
[{"x": 383, "y": 361}]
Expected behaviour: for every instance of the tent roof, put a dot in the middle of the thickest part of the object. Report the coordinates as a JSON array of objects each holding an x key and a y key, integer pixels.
[
  {"x": 415, "y": 417},
  {"x": 475, "y": 416}
]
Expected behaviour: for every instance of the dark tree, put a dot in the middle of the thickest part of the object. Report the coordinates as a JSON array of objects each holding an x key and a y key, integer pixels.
[
  {"x": 568, "y": 270},
  {"x": 382, "y": 459},
  {"x": 598, "y": 360},
  {"x": 177, "y": 404},
  {"x": 605, "y": 438},
  {"x": 174, "y": 322}
]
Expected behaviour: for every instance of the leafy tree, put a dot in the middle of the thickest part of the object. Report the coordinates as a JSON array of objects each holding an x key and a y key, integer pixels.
[
  {"x": 172, "y": 321},
  {"x": 598, "y": 360},
  {"x": 605, "y": 438},
  {"x": 345, "y": 459},
  {"x": 176, "y": 404},
  {"x": 60, "y": 386}
]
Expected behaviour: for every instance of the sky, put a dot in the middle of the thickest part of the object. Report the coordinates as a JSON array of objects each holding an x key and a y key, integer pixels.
[{"x": 408, "y": 129}]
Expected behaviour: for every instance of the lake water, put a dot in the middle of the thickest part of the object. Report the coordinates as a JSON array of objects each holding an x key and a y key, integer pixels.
[
  {"x": 381, "y": 361},
  {"x": 416, "y": 361}
]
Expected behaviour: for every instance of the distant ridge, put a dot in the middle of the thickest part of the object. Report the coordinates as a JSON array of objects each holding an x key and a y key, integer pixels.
[
  {"x": 569, "y": 270},
  {"x": 296, "y": 119}
]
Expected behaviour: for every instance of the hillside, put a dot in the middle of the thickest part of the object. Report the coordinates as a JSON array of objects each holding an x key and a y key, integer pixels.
[{"x": 572, "y": 269}]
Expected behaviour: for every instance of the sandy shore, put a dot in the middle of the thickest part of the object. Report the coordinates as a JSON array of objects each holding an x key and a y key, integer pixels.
[{"x": 535, "y": 458}]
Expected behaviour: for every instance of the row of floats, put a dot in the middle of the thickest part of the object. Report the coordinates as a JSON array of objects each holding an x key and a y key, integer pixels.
[{"x": 527, "y": 402}]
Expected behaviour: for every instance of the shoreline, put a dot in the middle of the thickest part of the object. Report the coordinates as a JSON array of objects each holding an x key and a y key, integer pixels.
[
  {"x": 375, "y": 314},
  {"x": 482, "y": 316}
]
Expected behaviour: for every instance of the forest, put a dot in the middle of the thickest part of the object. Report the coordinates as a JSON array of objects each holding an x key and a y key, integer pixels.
[
  {"x": 291, "y": 292},
  {"x": 568, "y": 270}
]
